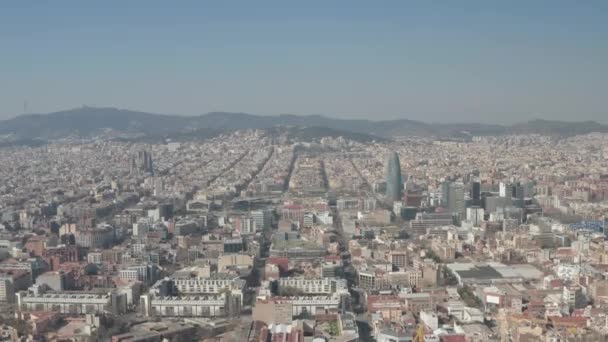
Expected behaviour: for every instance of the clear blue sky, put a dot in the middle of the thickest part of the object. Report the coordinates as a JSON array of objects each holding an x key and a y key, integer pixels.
[{"x": 440, "y": 61}]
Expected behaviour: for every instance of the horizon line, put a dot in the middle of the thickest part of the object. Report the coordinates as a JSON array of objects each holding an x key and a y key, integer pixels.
[{"x": 533, "y": 119}]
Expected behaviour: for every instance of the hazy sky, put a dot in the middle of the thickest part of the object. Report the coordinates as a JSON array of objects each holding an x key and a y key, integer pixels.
[{"x": 438, "y": 61}]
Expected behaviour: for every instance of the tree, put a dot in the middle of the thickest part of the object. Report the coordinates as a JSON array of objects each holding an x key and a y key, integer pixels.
[
  {"x": 449, "y": 278},
  {"x": 431, "y": 254},
  {"x": 469, "y": 297}
]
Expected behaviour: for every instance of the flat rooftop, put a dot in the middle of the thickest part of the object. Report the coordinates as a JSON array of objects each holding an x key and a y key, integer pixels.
[{"x": 485, "y": 271}]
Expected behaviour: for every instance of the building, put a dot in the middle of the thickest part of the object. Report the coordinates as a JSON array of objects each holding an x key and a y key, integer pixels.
[
  {"x": 453, "y": 197},
  {"x": 475, "y": 215},
  {"x": 234, "y": 245},
  {"x": 234, "y": 260},
  {"x": 55, "y": 256},
  {"x": 273, "y": 311},
  {"x": 394, "y": 182},
  {"x": 399, "y": 259},
  {"x": 271, "y": 272},
  {"x": 455, "y": 308},
  {"x": 246, "y": 225},
  {"x": 367, "y": 278},
  {"x": 287, "y": 333},
  {"x": 406, "y": 277},
  {"x": 142, "y": 227},
  {"x": 350, "y": 203},
  {"x": 391, "y": 334},
  {"x": 185, "y": 227},
  {"x": 430, "y": 319},
  {"x": 158, "y": 331},
  {"x": 94, "y": 258},
  {"x": 574, "y": 297},
  {"x": 146, "y": 273},
  {"x": 72, "y": 303},
  {"x": 223, "y": 305},
  {"x": 430, "y": 273},
  {"x": 295, "y": 248},
  {"x": 5, "y": 249},
  {"x": 424, "y": 221},
  {"x": 314, "y": 286},
  {"x": 56, "y": 281},
  {"x": 142, "y": 163},
  {"x": 493, "y": 203},
  {"x": 209, "y": 286},
  {"x": 33, "y": 267},
  {"x": 331, "y": 269},
  {"x": 98, "y": 237},
  {"x": 542, "y": 234},
  {"x": 7, "y": 290},
  {"x": 13, "y": 281},
  {"x": 416, "y": 302},
  {"x": 476, "y": 193},
  {"x": 263, "y": 219},
  {"x": 308, "y": 220},
  {"x": 494, "y": 273},
  {"x": 310, "y": 305}
]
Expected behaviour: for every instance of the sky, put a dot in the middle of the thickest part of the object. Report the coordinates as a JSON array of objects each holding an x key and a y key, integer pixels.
[{"x": 436, "y": 61}]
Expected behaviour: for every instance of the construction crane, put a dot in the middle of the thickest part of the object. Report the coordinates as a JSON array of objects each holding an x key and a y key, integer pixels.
[{"x": 419, "y": 333}]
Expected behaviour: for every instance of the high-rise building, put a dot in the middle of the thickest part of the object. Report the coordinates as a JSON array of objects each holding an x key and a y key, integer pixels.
[
  {"x": 475, "y": 215},
  {"x": 453, "y": 197},
  {"x": 394, "y": 183},
  {"x": 504, "y": 190},
  {"x": 519, "y": 193},
  {"x": 7, "y": 290},
  {"x": 476, "y": 193},
  {"x": 445, "y": 193},
  {"x": 263, "y": 219}
]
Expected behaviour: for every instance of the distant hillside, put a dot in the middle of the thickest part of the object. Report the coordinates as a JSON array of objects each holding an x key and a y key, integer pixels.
[
  {"x": 559, "y": 128},
  {"x": 89, "y": 121}
]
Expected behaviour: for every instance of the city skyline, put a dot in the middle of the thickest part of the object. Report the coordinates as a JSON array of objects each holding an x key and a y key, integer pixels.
[
  {"x": 267, "y": 228},
  {"x": 345, "y": 171}
]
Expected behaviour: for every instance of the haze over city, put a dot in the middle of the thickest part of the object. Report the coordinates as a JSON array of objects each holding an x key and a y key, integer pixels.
[
  {"x": 323, "y": 171},
  {"x": 471, "y": 61}
]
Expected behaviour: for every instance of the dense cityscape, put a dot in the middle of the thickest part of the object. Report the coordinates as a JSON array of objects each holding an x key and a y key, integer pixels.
[
  {"x": 255, "y": 236},
  {"x": 311, "y": 171}
]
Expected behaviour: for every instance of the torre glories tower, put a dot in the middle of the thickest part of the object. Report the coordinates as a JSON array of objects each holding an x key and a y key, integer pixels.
[{"x": 394, "y": 183}]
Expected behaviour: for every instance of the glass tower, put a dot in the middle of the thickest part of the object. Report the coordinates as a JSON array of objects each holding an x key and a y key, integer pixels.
[{"x": 394, "y": 183}]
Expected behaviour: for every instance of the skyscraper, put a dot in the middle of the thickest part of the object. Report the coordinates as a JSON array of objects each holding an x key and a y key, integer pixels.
[
  {"x": 476, "y": 193},
  {"x": 394, "y": 183},
  {"x": 445, "y": 193},
  {"x": 453, "y": 197}
]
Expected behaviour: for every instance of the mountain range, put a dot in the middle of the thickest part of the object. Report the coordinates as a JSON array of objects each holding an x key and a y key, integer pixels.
[{"x": 92, "y": 121}]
